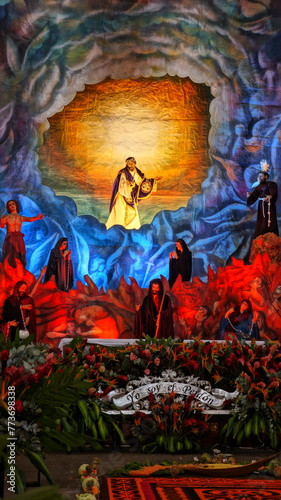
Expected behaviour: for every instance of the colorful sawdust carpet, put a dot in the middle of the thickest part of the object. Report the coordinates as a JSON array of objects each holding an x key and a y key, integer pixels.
[{"x": 156, "y": 488}]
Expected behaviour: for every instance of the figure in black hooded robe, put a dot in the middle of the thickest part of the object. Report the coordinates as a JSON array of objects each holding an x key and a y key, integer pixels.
[
  {"x": 155, "y": 316},
  {"x": 180, "y": 262},
  {"x": 60, "y": 266}
]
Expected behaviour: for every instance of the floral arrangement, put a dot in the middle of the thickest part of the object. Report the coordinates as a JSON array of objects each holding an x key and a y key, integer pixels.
[
  {"x": 52, "y": 406},
  {"x": 257, "y": 409},
  {"x": 172, "y": 425},
  {"x": 60, "y": 396}
]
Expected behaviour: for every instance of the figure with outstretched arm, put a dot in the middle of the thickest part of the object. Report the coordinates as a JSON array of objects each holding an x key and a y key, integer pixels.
[
  {"x": 14, "y": 247},
  {"x": 129, "y": 188}
]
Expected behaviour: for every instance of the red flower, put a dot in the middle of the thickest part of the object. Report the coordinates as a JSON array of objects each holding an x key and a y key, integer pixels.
[
  {"x": 194, "y": 355},
  {"x": 189, "y": 422},
  {"x": 162, "y": 425},
  {"x": 189, "y": 401},
  {"x": 139, "y": 416},
  {"x": 14, "y": 373},
  {"x": 33, "y": 379},
  {"x": 206, "y": 348},
  {"x": 151, "y": 398},
  {"x": 19, "y": 406},
  {"x": 145, "y": 353},
  {"x": 194, "y": 365},
  {"x": 4, "y": 355},
  {"x": 181, "y": 357},
  {"x": 231, "y": 360},
  {"x": 123, "y": 377},
  {"x": 107, "y": 390},
  {"x": 202, "y": 425}
]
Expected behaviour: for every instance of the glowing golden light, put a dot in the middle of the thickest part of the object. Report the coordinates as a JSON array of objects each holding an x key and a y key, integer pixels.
[{"x": 163, "y": 123}]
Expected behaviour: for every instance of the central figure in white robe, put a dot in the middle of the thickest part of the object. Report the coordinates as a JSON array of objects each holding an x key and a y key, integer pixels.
[{"x": 130, "y": 187}]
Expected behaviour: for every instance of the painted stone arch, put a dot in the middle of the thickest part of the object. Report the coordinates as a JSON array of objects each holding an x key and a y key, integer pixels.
[{"x": 53, "y": 49}]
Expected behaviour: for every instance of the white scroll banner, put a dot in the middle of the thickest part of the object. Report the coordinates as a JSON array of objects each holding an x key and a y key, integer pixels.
[{"x": 214, "y": 399}]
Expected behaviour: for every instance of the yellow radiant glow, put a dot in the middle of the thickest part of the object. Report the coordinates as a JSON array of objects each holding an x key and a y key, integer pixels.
[
  {"x": 163, "y": 123},
  {"x": 112, "y": 138}
]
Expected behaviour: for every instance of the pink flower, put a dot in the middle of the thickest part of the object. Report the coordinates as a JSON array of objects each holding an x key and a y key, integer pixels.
[
  {"x": 157, "y": 361},
  {"x": 50, "y": 356},
  {"x": 133, "y": 357},
  {"x": 146, "y": 371}
]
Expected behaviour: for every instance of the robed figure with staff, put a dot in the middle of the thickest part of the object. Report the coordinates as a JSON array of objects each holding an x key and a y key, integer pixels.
[{"x": 155, "y": 316}]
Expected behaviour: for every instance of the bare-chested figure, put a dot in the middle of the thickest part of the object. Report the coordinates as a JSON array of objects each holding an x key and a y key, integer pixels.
[{"x": 14, "y": 247}]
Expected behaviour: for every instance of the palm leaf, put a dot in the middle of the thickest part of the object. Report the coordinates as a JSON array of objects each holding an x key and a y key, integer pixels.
[
  {"x": 38, "y": 461},
  {"x": 118, "y": 430}
]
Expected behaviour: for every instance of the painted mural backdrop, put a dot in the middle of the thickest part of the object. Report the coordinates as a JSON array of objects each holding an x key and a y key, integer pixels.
[{"x": 84, "y": 85}]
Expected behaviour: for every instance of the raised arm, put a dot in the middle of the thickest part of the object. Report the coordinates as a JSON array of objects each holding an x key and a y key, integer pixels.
[
  {"x": 39, "y": 279},
  {"x": 31, "y": 219},
  {"x": 252, "y": 197}
]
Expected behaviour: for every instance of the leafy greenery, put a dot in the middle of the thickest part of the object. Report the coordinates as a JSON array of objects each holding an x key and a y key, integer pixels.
[
  {"x": 52, "y": 405},
  {"x": 257, "y": 409},
  {"x": 60, "y": 398},
  {"x": 173, "y": 425}
]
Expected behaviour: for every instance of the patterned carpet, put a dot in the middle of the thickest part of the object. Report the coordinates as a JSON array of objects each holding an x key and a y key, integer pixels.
[{"x": 156, "y": 488}]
